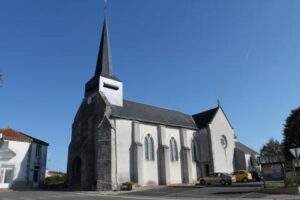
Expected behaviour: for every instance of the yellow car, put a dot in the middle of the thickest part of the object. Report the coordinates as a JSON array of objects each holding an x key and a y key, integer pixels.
[{"x": 242, "y": 176}]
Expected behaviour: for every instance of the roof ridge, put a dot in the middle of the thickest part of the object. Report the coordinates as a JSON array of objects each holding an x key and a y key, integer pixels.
[{"x": 24, "y": 134}]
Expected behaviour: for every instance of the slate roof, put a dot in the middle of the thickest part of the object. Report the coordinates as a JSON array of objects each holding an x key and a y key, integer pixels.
[
  {"x": 245, "y": 148},
  {"x": 11, "y": 134},
  {"x": 204, "y": 118},
  {"x": 104, "y": 62},
  {"x": 151, "y": 114}
]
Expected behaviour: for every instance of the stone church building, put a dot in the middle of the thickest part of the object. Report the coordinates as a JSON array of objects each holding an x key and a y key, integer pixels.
[{"x": 115, "y": 140}]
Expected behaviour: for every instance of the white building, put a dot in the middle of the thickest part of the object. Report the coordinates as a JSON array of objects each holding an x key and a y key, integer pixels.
[
  {"x": 22, "y": 160},
  {"x": 115, "y": 140}
]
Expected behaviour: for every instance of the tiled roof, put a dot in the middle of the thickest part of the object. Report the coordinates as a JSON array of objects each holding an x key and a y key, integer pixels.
[
  {"x": 146, "y": 113},
  {"x": 11, "y": 134}
]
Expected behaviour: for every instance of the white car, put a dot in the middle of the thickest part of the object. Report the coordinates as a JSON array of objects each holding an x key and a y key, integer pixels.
[{"x": 218, "y": 178}]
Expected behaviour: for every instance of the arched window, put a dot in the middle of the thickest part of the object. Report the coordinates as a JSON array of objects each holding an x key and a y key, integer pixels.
[
  {"x": 149, "y": 147},
  {"x": 194, "y": 150},
  {"x": 173, "y": 150}
]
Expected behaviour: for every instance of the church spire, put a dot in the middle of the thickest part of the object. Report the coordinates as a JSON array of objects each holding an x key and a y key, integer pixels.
[
  {"x": 104, "y": 64},
  {"x": 103, "y": 80}
]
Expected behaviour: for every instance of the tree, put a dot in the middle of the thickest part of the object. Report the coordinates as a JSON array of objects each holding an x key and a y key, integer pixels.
[
  {"x": 272, "y": 148},
  {"x": 291, "y": 133}
]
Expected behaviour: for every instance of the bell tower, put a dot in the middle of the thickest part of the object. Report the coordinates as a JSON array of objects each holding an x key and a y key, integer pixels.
[{"x": 103, "y": 80}]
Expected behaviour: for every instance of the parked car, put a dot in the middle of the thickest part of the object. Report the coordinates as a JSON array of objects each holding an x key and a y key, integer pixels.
[
  {"x": 242, "y": 176},
  {"x": 218, "y": 178}
]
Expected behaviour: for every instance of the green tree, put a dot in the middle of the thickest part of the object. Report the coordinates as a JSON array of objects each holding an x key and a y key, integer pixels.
[
  {"x": 272, "y": 148},
  {"x": 291, "y": 133}
]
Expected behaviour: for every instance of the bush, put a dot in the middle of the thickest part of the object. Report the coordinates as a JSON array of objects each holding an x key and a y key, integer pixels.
[
  {"x": 56, "y": 182},
  {"x": 127, "y": 186},
  {"x": 291, "y": 183},
  {"x": 57, "y": 179}
]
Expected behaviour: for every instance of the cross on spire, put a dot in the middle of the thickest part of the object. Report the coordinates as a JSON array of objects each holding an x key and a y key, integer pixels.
[
  {"x": 104, "y": 63},
  {"x": 105, "y": 7},
  {"x": 219, "y": 102}
]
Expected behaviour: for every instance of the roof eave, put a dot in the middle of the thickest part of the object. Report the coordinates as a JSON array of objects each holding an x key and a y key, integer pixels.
[{"x": 154, "y": 122}]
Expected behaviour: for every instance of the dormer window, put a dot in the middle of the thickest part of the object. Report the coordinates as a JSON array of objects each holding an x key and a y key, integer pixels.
[{"x": 38, "y": 150}]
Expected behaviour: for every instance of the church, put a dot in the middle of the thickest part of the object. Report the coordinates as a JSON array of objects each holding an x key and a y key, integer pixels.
[{"x": 115, "y": 140}]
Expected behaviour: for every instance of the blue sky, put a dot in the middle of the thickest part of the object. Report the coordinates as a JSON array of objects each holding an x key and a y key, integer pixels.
[{"x": 182, "y": 55}]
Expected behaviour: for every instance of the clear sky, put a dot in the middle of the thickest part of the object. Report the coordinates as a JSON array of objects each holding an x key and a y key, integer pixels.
[{"x": 182, "y": 55}]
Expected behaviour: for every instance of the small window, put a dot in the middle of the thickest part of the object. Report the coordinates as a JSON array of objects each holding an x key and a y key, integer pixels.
[
  {"x": 35, "y": 175},
  {"x": 173, "y": 150},
  {"x": 149, "y": 148},
  {"x": 38, "y": 150},
  {"x": 9, "y": 174}
]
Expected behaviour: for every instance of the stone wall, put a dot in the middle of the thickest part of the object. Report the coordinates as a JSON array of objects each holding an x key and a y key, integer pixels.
[{"x": 87, "y": 130}]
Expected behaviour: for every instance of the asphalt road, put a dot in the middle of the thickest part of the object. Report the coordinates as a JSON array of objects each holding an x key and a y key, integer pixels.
[
  {"x": 248, "y": 190},
  {"x": 244, "y": 191}
]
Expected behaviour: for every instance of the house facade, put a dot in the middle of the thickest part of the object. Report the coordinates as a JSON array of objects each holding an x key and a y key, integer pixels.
[
  {"x": 115, "y": 140},
  {"x": 22, "y": 160}
]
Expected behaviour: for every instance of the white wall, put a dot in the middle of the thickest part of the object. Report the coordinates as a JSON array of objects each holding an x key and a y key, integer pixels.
[
  {"x": 19, "y": 161},
  {"x": 175, "y": 166},
  {"x": 114, "y": 97},
  {"x": 247, "y": 159},
  {"x": 123, "y": 141},
  {"x": 190, "y": 137},
  {"x": 150, "y": 168},
  {"x": 222, "y": 158}
]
